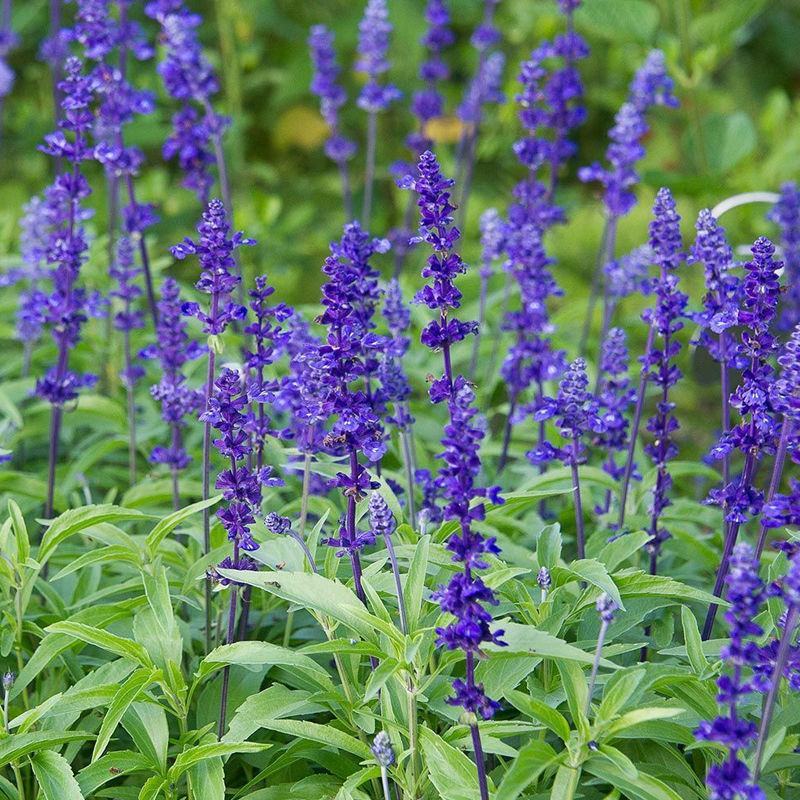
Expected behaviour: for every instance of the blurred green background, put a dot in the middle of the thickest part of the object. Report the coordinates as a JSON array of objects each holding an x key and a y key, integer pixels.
[{"x": 736, "y": 64}]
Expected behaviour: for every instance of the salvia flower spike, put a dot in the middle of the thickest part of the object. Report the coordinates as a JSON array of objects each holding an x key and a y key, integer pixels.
[
  {"x": 746, "y": 594},
  {"x": 374, "y": 31},
  {"x": 466, "y": 596},
  {"x": 332, "y": 96},
  {"x": 755, "y": 435},
  {"x": 178, "y": 400},
  {"x": 215, "y": 249},
  {"x": 786, "y": 215}
]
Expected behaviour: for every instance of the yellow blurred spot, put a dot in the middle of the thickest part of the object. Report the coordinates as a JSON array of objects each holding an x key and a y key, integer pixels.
[
  {"x": 444, "y": 130},
  {"x": 300, "y": 126}
]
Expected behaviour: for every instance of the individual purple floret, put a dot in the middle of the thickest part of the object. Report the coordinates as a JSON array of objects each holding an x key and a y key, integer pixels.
[
  {"x": 341, "y": 364},
  {"x": 755, "y": 435},
  {"x": 731, "y": 778},
  {"x": 325, "y": 85},
  {"x": 786, "y": 215},
  {"x": 575, "y": 411},
  {"x": 66, "y": 309},
  {"x": 466, "y": 596},
  {"x": 665, "y": 320},
  {"x": 178, "y": 400}
]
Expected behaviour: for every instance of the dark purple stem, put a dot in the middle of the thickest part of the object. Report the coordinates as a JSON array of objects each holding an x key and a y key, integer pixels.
[
  {"x": 576, "y": 488},
  {"x": 476, "y": 735},
  {"x": 176, "y": 443},
  {"x": 634, "y": 432},
  {"x": 775, "y": 682},
  {"x": 501, "y": 462},
  {"x": 731, "y": 534},
  {"x": 226, "y": 673},
  {"x": 350, "y": 527},
  {"x": 369, "y": 176},
  {"x": 725, "y": 389},
  {"x": 129, "y": 388},
  {"x": 777, "y": 473},
  {"x": 397, "y": 582}
]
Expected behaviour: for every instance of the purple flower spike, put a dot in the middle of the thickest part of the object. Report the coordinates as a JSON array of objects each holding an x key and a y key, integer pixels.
[
  {"x": 665, "y": 320},
  {"x": 373, "y": 49},
  {"x": 651, "y": 86},
  {"x": 214, "y": 250},
  {"x": 428, "y": 103},
  {"x": 332, "y": 96},
  {"x": 786, "y": 215},
  {"x": 178, "y": 401},
  {"x": 746, "y": 594},
  {"x": 465, "y": 597}
]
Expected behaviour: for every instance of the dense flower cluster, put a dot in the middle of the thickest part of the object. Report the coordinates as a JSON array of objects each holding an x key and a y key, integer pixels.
[
  {"x": 325, "y": 84},
  {"x": 227, "y": 412},
  {"x": 128, "y": 318},
  {"x": 466, "y": 595},
  {"x": 428, "y": 103},
  {"x": 786, "y": 215},
  {"x": 549, "y": 110},
  {"x": 754, "y": 436},
  {"x": 614, "y": 397},
  {"x": 268, "y": 340},
  {"x": 178, "y": 400},
  {"x": 651, "y": 86},
  {"x": 374, "y": 31},
  {"x": 66, "y": 309},
  {"x": 665, "y": 320},
  {"x": 215, "y": 251},
  {"x": 189, "y": 78},
  {"x": 746, "y": 595},
  {"x": 343, "y": 364}
]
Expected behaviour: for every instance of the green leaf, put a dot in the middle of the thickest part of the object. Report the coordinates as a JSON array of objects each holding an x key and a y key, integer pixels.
[
  {"x": 619, "y": 20},
  {"x": 114, "y": 553},
  {"x": 78, "y": 519},
  {"x": 276, "y": 702},
  {"x": 720, "y": 24},
  {"x": 379, "y": 676},
  {"x": 202, "y": 752},
  {"x": 617, "y": 692},
  {"x": 314, "y": 732},
  {"x": 152, "y": 788},
  {"x": 592, "y": 571},
  {"x": 541, "y": 712},
  {"x": 259, "y": 654},
  {"x": 54, "y": 777},
  {"x": 109, "y": 767},
  {"x": 321, "y": 594},
  {"x": 533, "y": 759},
  {"x": 527, "y": 639},
  {"x": 20, "y": 532},
  {"x": 548, "y": 546},
  {"x": 147, "y": 725},
  {"x": 577, "y": 690},
  {"x": 127, "y": 693},
  {"x": 694, "y": 642},
  {"x": 210, "y": 774},
  {"x": 22, "y": 744},
  {"x": 727, "y": 139},
  {"x": 452, "y": 773},
  {"x": 125, "y": 648},
  {"x": 169, "y": 523},
  {"x": 415, "y": 583},
  {"x": 643, "y": 787},
  {"x": 639, "y": 715}
]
